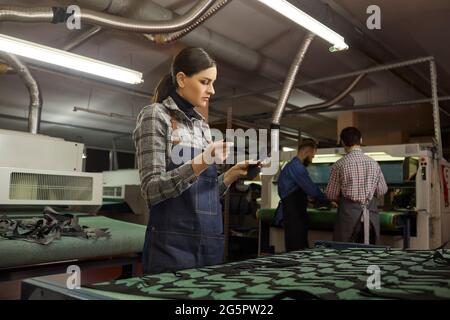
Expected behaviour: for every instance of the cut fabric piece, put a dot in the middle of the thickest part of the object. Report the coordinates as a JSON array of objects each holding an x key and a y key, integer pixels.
[{"x": 51, "y": 226}]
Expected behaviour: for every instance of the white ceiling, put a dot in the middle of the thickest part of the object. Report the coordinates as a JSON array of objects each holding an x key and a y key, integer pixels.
[{"x": 409, "y": 28}]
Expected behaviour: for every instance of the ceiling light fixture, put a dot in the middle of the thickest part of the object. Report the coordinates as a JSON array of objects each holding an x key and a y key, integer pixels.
[
  {"x": 68, "y": 60},
  {"x": 306, "y": 21}
]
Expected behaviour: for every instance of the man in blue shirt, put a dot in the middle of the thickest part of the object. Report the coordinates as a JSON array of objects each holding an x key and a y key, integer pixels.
[{"x": 294, "y": 187}]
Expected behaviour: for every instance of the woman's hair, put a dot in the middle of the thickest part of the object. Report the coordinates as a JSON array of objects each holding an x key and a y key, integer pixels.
[{"x": 189, "y": 61}]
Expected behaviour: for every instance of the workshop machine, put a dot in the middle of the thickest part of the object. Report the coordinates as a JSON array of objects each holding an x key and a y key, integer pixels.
[
  {"x": 415, "y": 212},
  {"x": 37, "y": 170},
  {"x": 122, "y": 198}
]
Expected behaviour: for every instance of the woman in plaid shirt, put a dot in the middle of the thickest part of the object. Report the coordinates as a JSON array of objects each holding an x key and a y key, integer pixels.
[
  {"x": 355, "y": 181},
  {"x": 178, "y": 180}
]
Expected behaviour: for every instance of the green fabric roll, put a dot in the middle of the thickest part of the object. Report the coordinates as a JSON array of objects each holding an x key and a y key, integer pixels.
[
  {"x": 325, "y": 219},
  {"x": 322, "y": 219},
  {"x": 125, "y": 238},
  {"x": 387, "y": 220},
  {"x": 266, "y": 214}
]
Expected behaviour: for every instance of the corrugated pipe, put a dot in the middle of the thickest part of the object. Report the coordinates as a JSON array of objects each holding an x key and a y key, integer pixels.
[
  {"x": 284, "y": 97},
  {"x": 87, "y": 16},
  {"x": 34, "y": 114},
  {"x": 25, "y": 14},
  {"x": 218, "y": 45},
  {"x": 167, "y": 38},
  {"x": 290, "y": 79}
]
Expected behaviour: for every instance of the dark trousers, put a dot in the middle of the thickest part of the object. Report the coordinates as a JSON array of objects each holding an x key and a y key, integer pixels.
[{"x": 296, "y": 221}]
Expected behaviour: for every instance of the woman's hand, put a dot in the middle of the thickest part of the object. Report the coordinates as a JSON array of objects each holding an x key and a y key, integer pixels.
[
  {"x": 215, "y": 152},
  {"x": 238, "y": 171}
]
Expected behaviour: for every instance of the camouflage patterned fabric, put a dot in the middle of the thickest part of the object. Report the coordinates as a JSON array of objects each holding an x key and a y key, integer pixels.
[{"x": 309, "y": 274}]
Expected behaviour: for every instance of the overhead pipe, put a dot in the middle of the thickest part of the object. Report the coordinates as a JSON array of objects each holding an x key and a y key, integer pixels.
[
  {"x": 229, "y": 50},
  {"x": 268, "y": 115},
  {"x": 327, "y": 104},
  {"x": 378, "y": 68},
  {"x": 87, "y": 16},
  {"x": 401, "y": 103},
  {"x": 167, "y": 38},
  {"x": 26, "y": 14},
  {"x": 106, "y": 114},
  {"x": 219, "y": 46},
  {"x": 124, "y": 24},
  {"x": 35, "y": 108}
]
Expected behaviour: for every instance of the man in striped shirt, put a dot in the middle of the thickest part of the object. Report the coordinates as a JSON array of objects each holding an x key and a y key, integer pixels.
[{"x": 355, "y": 181}]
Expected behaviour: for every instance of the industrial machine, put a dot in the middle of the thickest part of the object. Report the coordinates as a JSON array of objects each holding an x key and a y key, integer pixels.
[
  {"x": 122, "y": 198},
  {"x": 415, "y": 212},
  {"x": 38, "y": 171}
]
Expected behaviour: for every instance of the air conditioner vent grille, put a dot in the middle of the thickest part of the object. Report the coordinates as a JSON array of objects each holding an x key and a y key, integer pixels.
[{"x": 38, "y": 186}]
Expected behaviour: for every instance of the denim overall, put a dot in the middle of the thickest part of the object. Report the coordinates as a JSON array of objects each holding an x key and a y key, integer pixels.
[{"x": 186, "y": 231}]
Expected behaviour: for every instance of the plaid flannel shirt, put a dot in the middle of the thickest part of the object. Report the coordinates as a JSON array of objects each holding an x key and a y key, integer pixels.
[
  {"x": 153, "y": 139},
  {"x": 356, "y": 177}
]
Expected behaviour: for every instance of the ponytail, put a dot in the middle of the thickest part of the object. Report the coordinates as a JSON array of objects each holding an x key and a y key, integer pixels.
[{"x": 164, "y": 88}]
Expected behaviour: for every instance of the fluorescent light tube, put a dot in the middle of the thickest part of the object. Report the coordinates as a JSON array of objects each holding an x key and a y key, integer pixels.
[
  {"x": 377, "y": 156},
  {"x": 306, "y": 21},
  {"x": 68, "y": 60}
]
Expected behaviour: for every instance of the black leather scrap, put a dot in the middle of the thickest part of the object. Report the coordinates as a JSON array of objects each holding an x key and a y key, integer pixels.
[{"x": 53, "y": 225}]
